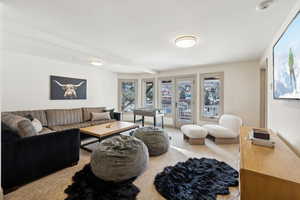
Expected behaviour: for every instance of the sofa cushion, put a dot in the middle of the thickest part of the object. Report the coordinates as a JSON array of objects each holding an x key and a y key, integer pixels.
[
  {"x": 45, "y": 131},
  {"x": 12, "y": 120},
  {"x": 100, "y": 116},
  {"x": 57, "y": 117},
  {"x": 220, "y": 131},
  {"x": 38, "y": 114},
  {"x": 26, "y": 128},
  {"x": 70, "y": 126},
  {"x": 94, "y": 123},
  {"x": 87, "y": 112}
]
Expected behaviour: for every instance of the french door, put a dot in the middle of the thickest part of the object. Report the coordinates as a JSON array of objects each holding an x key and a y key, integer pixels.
[
  {"x": 184, "y": 101},
  {"x": 176, "y": 99}
]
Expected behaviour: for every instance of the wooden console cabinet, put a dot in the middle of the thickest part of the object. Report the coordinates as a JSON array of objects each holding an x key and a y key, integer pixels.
[{"x": 266, "y": 173}]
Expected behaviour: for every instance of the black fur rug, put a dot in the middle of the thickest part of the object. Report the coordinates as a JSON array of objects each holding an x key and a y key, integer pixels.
[
  {"x": 86, "y": 186},
  {"x": 196, "y": 179}
]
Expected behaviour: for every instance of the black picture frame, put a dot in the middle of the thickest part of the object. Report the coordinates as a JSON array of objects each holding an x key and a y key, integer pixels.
[
  {"x": 273, "y": 59},
  {"x": 66, "y": 88}
]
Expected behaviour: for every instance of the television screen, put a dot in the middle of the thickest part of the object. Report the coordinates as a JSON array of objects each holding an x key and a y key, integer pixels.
[{"x": 286, "y": 55}]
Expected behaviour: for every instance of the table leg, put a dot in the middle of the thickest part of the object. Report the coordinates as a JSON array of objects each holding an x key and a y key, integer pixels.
[
  {"x": 143, "y": 120},
  {"x": 134, "y": 118},
  {"x": 162, "y": 121},
  {"x": 154, "y": 121}
]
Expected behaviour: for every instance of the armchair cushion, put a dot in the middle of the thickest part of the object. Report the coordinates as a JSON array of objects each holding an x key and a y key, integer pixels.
[{"x": 220, "y": 131}]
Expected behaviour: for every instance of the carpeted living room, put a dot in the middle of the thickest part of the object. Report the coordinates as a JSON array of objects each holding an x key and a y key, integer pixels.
[{"x": 150, "y": 100}]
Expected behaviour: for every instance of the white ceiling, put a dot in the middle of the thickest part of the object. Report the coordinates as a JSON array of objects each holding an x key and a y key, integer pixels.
[{"x": 137, "y": 35}]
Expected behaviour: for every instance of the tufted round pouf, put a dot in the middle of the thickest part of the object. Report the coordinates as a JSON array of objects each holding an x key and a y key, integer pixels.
[
  {"x": 156, "y": 139},
  {"x": 194, "y": 134},
  {"x": 119, "y": 158}
]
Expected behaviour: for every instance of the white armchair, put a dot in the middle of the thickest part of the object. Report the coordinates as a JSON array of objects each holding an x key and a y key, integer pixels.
[{"x": 227, "y": 131}]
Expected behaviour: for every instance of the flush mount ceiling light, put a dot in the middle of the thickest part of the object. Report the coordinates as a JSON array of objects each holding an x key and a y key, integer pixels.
[
  {"x": 96, "y": 62},
  {"x": 264, "y": 5},
  {"x": 186, "y": 41}
]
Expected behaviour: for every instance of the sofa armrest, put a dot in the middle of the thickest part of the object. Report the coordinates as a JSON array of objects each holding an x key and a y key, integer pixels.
[
  {"x": 117, "y": 116},
  {"x": 29, "y": 158}
]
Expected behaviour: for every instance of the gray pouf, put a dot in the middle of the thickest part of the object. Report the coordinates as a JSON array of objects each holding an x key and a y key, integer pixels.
[
  {"x": 119, "y": 158},
  {"x": 156, "y": 139}
]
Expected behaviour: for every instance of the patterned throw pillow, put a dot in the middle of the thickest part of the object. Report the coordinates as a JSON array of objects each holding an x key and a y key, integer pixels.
[
  {"x": 26, "y": 129},
  {"x": 100, "y": 116}
]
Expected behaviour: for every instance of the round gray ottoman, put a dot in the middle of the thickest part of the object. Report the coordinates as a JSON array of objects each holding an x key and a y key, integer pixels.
[
  {"x": 156, "y": 139},
  {"x": 119, "y": 158}
]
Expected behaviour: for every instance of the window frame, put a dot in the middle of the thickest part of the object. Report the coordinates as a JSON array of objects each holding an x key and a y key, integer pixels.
[
  {"x": 220, "y": 76},
  {"x": 143, "y": 87},
  {"x": 136, "y": 83}
]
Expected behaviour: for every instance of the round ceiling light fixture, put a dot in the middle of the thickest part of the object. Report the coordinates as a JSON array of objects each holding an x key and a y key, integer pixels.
[
  {"x": 96, "y": 62},
  {"x": 264, "y": 5},
  {"x": 186, "y": 41}
]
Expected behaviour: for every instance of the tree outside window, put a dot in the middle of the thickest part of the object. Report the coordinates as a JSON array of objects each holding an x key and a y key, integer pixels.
[
  {"x": 212, "y": 96},
  {"x": 128, "y": 95}
]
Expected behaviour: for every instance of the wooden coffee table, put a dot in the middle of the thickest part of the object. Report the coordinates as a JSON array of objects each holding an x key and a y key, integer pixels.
[{"x": 103, "y": 131}]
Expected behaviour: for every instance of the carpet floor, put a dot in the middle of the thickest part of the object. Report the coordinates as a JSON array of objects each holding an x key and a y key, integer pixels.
[{"x": 52, "y": 187}]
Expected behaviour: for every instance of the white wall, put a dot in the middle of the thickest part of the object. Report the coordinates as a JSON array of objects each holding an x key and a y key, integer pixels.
[
  {"x": 26, "y": 83},
  {"x": 241, "y": 87},
  {"x": 283, "y": 115}
]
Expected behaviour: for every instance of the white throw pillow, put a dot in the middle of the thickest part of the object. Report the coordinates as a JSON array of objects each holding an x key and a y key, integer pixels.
[
  {"x": 37, "y": 125},
  {"x": 100, "y": 116}
]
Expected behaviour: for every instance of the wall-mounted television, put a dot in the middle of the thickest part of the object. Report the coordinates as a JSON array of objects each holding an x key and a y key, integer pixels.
[{"x": 286, "y": 63}]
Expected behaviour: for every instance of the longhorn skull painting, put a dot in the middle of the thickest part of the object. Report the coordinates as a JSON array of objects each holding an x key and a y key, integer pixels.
[{"x": 67, "y": 88}]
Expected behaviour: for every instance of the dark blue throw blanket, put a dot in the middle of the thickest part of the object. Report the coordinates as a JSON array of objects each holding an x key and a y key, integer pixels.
[{"x": 196, "y": 179}]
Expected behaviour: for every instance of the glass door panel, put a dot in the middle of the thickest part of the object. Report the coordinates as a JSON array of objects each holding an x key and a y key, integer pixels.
[
  {"x": 184, "y": 101},
  {"x": 166, "y": 91}
]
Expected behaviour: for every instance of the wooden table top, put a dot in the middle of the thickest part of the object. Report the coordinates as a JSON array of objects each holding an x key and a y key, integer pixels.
[
  {"x": 107, "y": 129},
  {"x": 280, "y": 161}
]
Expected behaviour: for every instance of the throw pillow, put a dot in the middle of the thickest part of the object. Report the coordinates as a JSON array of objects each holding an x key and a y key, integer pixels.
[
  {"x": 12, "y": 121},
  {"x": 29, "y": 116},
  {"x": 100, "y": 116},
  {"x": 37, "y": 125},
  {"x": 26, "y": 129},
  {"x": 111, "y": 112}
]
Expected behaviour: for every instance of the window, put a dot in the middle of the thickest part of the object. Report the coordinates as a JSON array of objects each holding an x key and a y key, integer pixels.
[
  {"x": 166, "y": 96},
  {"x": 128, "y": 95},
  {"x": 148, "y": 93},
  {"x": 211, "y": 96}
]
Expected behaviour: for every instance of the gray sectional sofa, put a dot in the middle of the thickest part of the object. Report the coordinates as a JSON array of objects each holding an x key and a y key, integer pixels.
[
  {"x": 64, "y": 119},
  {"x": 24, "y": 159}
]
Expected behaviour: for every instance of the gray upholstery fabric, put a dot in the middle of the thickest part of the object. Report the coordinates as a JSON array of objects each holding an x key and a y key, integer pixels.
[
  {"x": 45, "y": 131},
  {"x": 79, "y": 125},
  {"x": 93, "y": 123},
  {"x": 26, "y": 129},
  {"x": 58, "y": 117},
  {"x": 119, "y": 158},
  {"x": 70, "y": 126},
  {"x": 87, "y": 112},
  {"x": 156, "y": 139},
  {"x": 11, "y": 120},
  {"x": 38, "y": 114},
  {"x": 100, "y": 116}
]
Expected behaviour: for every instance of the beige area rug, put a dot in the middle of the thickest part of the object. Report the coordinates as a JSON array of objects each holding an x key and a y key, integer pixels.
[{"x": 52, "y": 187}]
